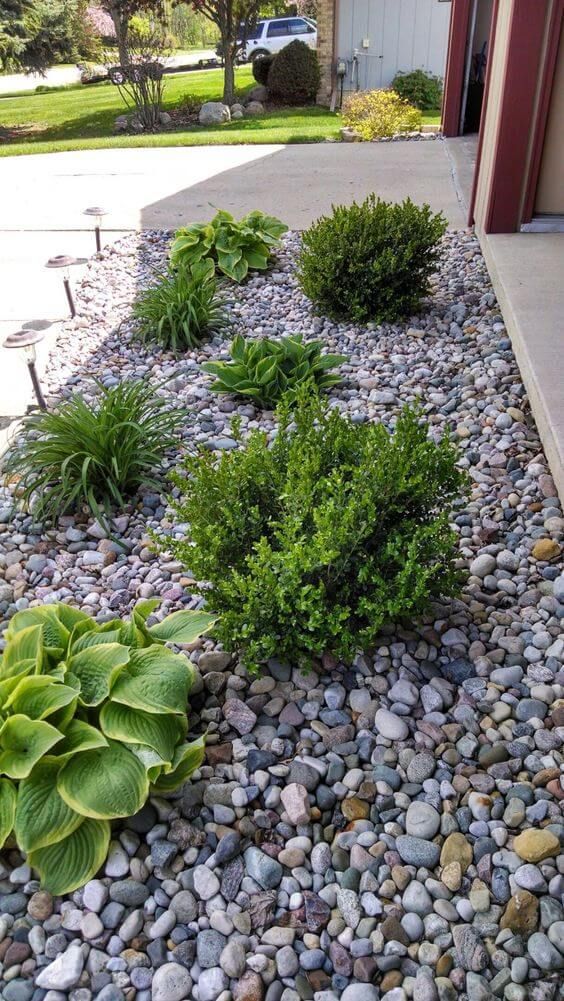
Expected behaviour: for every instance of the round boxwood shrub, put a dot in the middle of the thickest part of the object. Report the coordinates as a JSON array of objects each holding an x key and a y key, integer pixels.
[
  {"x": 370, "y": 262},
  {"x": 261, "y": 68},
  {"x": 419, "y": 88},
  {"x": 314, "y": 541},
  {"x": 294, "y": 76}
]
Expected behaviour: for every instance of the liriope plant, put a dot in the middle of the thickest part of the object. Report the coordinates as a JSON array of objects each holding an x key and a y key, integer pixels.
[{"x": 92, "y": 718}]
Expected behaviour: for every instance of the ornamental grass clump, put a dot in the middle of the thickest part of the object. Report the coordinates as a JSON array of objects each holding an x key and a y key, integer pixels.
[
  {"x": 371, "y": 262},
  {"x": 313, "y": 542},
  {"x": 184, "y": 306},
  {"x": 93, "y": 454},
  {"x": 235, "y": 247},
  {"x": 92, "y": 719},
  {"x": 267, "y": 369},
  {"x": 379, "y": 114}
]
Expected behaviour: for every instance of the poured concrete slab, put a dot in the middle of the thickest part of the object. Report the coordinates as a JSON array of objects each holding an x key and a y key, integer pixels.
[
  {"x": 165, "y": 188},
  {"x": 527, "y": 271}
]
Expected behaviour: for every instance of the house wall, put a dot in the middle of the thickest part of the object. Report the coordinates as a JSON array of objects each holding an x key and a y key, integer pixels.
[
  {"x": 326, "y": 27},
  {"x": 550, "y": 191},
  {"x": 402, "y": 35}
]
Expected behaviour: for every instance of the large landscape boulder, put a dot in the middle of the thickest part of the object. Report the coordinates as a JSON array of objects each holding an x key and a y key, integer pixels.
[
  {"x": 258, "y": 93},
  {"x": 214, "y": 113},
  {"x": 254, "y": 108}
]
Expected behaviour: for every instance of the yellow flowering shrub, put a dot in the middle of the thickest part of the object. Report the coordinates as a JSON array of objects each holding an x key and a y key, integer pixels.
[{"x": 375, "y": 114}]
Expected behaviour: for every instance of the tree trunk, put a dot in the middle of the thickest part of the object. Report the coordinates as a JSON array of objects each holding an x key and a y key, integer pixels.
[
  {"x": 121, "y": 27},
  {"x": 229, "y": 71}
]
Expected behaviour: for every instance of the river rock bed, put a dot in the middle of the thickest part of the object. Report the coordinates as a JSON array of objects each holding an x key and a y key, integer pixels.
[{"x": 385, "y": 830}]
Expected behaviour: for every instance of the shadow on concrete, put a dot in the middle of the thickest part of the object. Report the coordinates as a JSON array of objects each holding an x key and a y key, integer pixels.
[{"x": 300, "y": 183}]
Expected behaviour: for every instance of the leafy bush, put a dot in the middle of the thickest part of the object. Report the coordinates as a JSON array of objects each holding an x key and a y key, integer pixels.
[
  {"x": 95, "y": 454},
  {"x": 370, "y": 261},
  {"x": 266, "y": 369},
  {"x": 375, "y": 114},
  {"x": 234, "y": 247},
  {"x": 182, "y": 308},
  {"x": 314, "y": 542},
  {"x": 421, "y": 89},
  {"x": 294, "y": 76},
  {"x": 261, "y": 68},
  {"x": 93, "y": 717}
]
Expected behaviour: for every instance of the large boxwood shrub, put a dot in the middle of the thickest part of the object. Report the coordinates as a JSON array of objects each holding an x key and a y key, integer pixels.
[
  {"x": 294, "y": 76},
  {"x": 312, "y": 543},
  {"x": 92, "y": 717},
  {"x": 371, "y": 261}
]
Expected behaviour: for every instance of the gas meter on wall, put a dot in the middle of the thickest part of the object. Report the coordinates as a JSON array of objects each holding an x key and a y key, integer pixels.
[{"x": 365, "y": 43}]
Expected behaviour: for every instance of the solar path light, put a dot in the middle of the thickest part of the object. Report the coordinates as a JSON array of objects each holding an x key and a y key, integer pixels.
[
  {"x": 66, "y": 262},
  {"x": 26, "y": 340},
  {"x": 98, "y": 214}
]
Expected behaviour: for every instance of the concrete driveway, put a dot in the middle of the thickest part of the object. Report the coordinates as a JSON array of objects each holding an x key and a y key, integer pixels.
[{"x": 44, "y": 197}]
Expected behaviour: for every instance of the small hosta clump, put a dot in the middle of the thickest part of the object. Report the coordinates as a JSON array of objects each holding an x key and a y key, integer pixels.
[{"x": 267, "y": 369}]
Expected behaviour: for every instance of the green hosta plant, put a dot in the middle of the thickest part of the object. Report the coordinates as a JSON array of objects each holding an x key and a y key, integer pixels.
[
  {"x": 235, "y": 247},
  {"x": 266, "y": 369},
  {"x": 182, "y": 307},
  {"x": 92, "y": 718}
]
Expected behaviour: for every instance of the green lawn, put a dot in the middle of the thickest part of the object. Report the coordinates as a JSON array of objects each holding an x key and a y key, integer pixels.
[{"x": 78, "y": 117}]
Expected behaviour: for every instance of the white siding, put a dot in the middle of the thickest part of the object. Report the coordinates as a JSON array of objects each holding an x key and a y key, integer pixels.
[{"x": 403, "y": 35}]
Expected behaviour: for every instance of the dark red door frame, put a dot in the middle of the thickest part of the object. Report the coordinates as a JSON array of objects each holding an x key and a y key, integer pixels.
[
  {"x": 508, "y": 179},
  {"x": 456, "y": 60},
  {"x": 547, "y": 82},
  {"x": 491, "y": 51}
]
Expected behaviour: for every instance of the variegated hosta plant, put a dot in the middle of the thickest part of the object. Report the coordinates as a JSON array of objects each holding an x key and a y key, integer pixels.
[{"x": 92, "y": 718}]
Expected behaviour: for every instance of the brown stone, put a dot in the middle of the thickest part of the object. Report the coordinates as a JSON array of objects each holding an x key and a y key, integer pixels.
[
  {"x": 16, "y": 954},
  {"x": 555, "y": 788},
  {"x": 393, "y": 931},
  {"x": 40, "y": 906},
  {"x": 451, "y": 876},
  {"x": 456, "y": 849},
  {"x": 219, "y": 754},
  {"x": 545, "y": 550},
  {"x": 535, "y": 845},
  {"x": 249, "y": 988},
  {"x": 391, "y": 979},
  {"x": 444, "y": 965},
  {"x": 557, "y": 716},
  {"x": 365, "y": 969},
  {"x": 318, "y": 980},
  {"x": 521, "y": 914},
  {"x": 543, "y": 777},
  {"x": 355, "y": 809}
]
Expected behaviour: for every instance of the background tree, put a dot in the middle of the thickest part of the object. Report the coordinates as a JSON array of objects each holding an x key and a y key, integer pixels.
[
  {"x": 121, "y": 12},
  {"x": 235, "y": 19},
  {"x": 19, "y": 26}
]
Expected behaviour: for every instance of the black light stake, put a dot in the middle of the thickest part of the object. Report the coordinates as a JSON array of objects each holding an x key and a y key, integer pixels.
[
  {"x": 26, "y": 340},
  {"x": 98, "y": 214},
  {"x": 64, "y": 261}
]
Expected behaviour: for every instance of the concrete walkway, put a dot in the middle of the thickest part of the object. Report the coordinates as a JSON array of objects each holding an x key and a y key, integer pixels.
[
  {"x": 166, "y": 188},
  {"x": 527, "y": 271}
]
